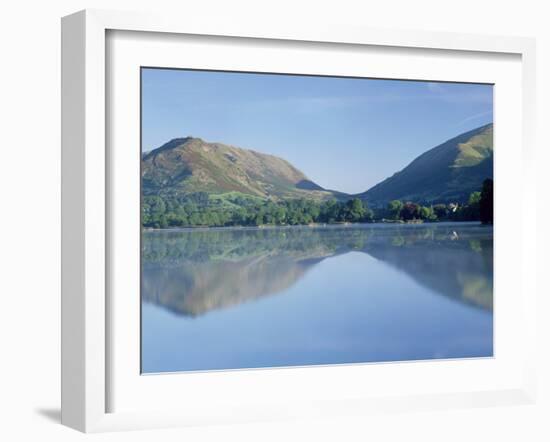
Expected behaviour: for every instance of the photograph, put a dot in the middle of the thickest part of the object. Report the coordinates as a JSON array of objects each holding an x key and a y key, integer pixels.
[{"x": 293, "y": 220}]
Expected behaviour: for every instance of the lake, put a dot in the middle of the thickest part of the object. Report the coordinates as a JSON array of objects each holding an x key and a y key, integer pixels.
[{"x": 291, "y": 296}]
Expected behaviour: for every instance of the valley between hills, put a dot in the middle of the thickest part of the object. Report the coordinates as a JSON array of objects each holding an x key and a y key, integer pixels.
[{"x": 189, "y": 182}]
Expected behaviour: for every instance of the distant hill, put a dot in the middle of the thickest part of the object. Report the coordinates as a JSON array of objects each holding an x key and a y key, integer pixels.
[
  {"x": 449, "y": 172},
  {"x": 189, "y": 165}
]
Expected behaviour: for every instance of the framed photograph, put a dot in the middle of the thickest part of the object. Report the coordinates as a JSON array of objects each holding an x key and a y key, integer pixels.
[{"x": 267, "y": 223}]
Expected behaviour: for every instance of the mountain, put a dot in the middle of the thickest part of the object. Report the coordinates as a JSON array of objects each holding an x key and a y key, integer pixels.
[
  {"x": 189, "y": 165},
  {"x": 449, "y": 172}
]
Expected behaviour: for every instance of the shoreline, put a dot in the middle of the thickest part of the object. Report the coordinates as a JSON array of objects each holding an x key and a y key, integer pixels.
[{"x": 315, "y": 226}]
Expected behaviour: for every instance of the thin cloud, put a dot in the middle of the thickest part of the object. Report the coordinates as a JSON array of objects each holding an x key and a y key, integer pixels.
[
  {"x": 474, "y": 117},
  {"x": 322, "y": 103},
  {"x": 443, "y": 92},
  {"x": 312, "y": 103},
  {"x": 435, "y": 88}
]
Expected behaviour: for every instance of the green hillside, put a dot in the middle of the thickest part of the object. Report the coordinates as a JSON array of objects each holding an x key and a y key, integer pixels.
[
  {"x": 449, "y": 172},
  {"x": 188, "y": 182},
  {"x": 191, "y": 165}
]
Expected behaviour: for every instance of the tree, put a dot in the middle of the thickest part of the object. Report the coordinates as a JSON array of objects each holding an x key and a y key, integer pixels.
[
  {"x": 475, "y": 197},
  {"x": 195, "y": 219},
  {"x": 470, "y": 212},
  {"x": 369, "y": 214},
  {"x": 356, "y": 211},
  {"x": 156, "y": 205},
  {"x": 239, "y": 217},
  {"x": 440, "y": 211},
  {"x": 426, "y": 212},
  {"x": 280, "y": 215},
  {"x": 145, "y": 214},
  {"x": 410, "y": 211},
  {"x": 259, "y": 219},
  {"x": 486, "y": 202},
  {"x": 162, "y": 222},
  {"x": 329, "y": 211},
  {"x": 394, "y": 209},
  {"x": 153, "y": 212}
]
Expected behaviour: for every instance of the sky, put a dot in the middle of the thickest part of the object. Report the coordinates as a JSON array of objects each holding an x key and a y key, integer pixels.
[{"x": 345, "y": 134}]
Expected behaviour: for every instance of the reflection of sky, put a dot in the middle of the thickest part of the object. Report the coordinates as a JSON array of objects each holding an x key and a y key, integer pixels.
[
  {"x": 348, "y": 308},
  {"x": 333, "y": 129}
]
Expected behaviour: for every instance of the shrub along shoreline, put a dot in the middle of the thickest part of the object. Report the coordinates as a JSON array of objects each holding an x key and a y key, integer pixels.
[{"x": 203, "y": 210}]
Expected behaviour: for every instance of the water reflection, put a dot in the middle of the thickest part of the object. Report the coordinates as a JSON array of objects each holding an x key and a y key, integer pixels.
[{"x": 193, "y": 272}]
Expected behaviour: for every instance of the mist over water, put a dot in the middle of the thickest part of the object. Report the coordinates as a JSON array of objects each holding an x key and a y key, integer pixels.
[{"x": 246, "y": 298}]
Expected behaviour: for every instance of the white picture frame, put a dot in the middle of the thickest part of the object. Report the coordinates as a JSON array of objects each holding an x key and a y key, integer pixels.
[{"x": 87, "y": 210}]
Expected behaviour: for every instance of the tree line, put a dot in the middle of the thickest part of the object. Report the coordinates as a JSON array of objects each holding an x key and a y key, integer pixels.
[
  {"x": 198, "y": 210},
  {"x": 162, "y": 212},
  {"x": 478, "y": 208}
]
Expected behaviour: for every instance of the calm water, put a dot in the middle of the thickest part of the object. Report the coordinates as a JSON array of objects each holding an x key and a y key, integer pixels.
[{"x": 243, "y": 298}]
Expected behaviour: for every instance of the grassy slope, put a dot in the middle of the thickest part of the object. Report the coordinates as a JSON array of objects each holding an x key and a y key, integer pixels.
[
  {"x": 448, "y": 172},
  {"x": 189, "y": 165}
]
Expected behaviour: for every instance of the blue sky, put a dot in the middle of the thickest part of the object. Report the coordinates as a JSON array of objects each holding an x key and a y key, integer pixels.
[{"x": 344, "y": 134}]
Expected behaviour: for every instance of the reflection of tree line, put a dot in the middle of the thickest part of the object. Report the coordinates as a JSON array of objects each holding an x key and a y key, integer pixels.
[
  {"x": 192, "y": 272},
  {"x": 204, "y": 245},
  {"x": 207, "y": 245}
]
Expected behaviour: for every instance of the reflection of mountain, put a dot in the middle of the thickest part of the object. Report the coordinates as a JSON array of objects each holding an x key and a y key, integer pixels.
[
  {"x": 450, "y": 268},
  {"x": 193, "y": 272},
  {"x": 196, "y": 288}
]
